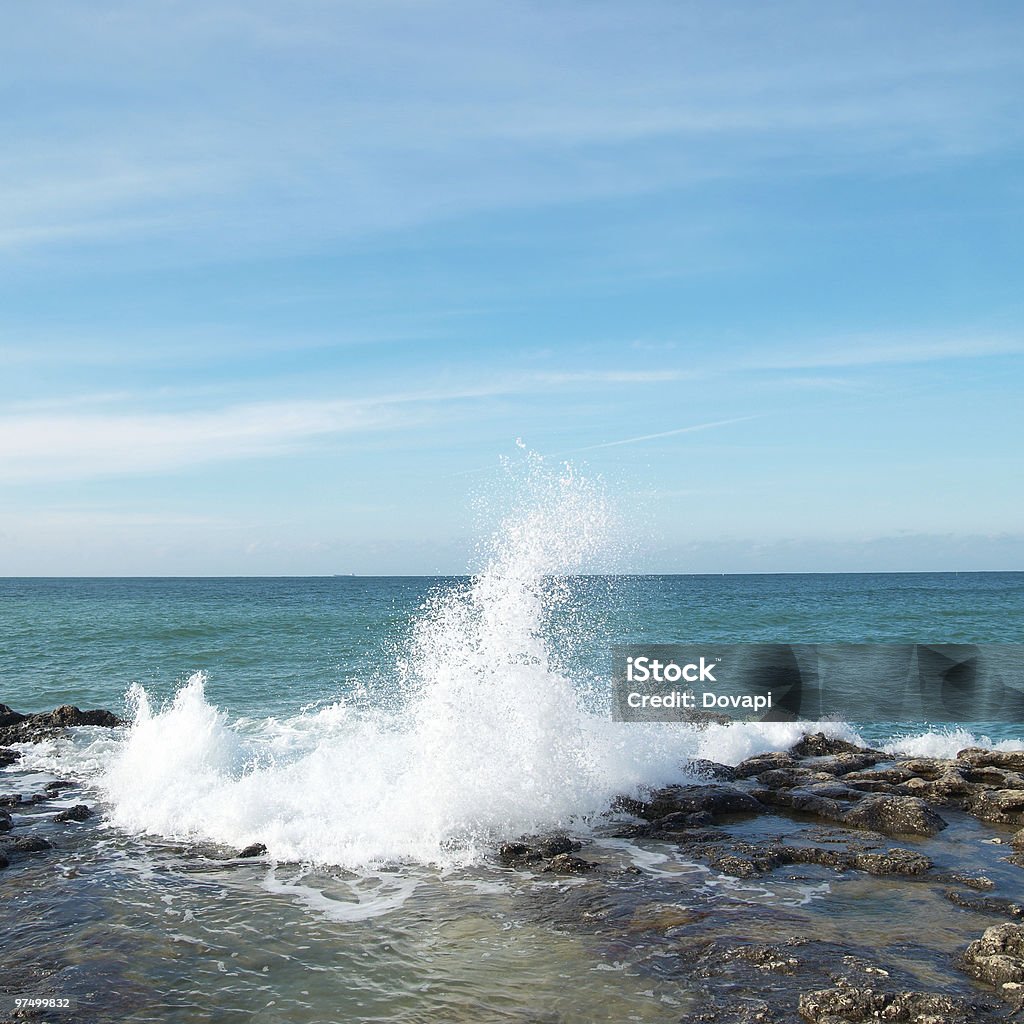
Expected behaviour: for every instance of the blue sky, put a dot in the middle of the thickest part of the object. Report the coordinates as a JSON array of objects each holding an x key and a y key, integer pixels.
[{"x": 282, "y": 283}]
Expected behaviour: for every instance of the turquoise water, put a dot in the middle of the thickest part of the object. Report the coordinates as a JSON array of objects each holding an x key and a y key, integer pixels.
[
  {"x": 273, "y": 646},
  {"x": 380, "y": 736}
]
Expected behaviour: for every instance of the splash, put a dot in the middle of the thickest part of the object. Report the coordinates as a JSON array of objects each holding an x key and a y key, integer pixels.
[{"x": 483, "y": 734}]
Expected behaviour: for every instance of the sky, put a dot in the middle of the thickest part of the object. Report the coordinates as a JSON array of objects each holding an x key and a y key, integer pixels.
[{"x": 282, "y": 284}]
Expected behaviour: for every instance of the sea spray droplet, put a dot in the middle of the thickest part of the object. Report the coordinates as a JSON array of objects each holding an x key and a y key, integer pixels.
[{"x": 489, "y": 739}]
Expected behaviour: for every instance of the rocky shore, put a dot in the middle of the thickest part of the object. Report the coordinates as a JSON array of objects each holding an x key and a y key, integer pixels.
[
  {"x": 848, "y": 809},
  {"x": 824, "y": 809}
]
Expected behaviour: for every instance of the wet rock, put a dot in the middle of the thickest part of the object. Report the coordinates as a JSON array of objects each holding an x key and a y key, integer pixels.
[
  {"x": 978, "y": 882},
  {"x": 8, "y": 716},
  {"x": 519, "y": 854},
  {"x": 253, "y": 850},
  {"x": 5, "y": 822},
  {"x": 843, "y": 764},
  {"x": 57, "y": 785},
  {"x": 567, "y": 864},
  {"x": 16, "y": 728},
  {"x": 679, "y": 821},
  {"x": 8, "y": 756},
  {"x": 4, "y": 862},
  {"x": 762, "y": 763},
  {"x": 1017, "y": 842},
  {"x": 28, "y": 844},
  {"x": 985, "y": 904},
  {"x": 514, "y": 855},
  {"x": 1005, "y": 806},
  {"x": 894, "y": 775},
  {"x": 977, "y": 757},
  {"x": 895, "y": 815},
  {"x": 712, "y": 770},
  {"x": 860, "y": 1005},
  {"x": 803, "y": 801},
  {"x": 893, "y": 862},
  {"x": 817, "y": 744},
  {"x": 77, "y": 813},
  {"x": 716, "y": 800},
  {"x": 998, "y": 958}
]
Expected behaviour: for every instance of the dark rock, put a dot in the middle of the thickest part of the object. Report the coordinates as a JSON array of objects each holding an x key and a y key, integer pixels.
[
  {"x": 712, "y": 770},
  {"x": 803, "y": 801},
  {"x": 567, "y": 864},
  {"x": 895, "y": 815},
  {"x": 8, "y": 756},
  {"x": 57, "y": 785},
  {"x": 716, "y": 800},
  {"x": 679, "y": 821},
  {"x": 5, "y": 822},
  {"x": 28, "y": 844},
  {"x": 552, "y": 846},
  {"x": 30, "y": 728},
  {"x": 3, "y": 860},
  {"x": 77, "y": 813},
  {"x": 978, "y": 882},
  {"x": 8, "y": 716},
  {"x": 998, "y": 958},
  {"x": 985, "y": 904},
  {"x": 892, "y": 862},
  {"x": 894, "y": 774},
  {"x": 1017, "y": 842},
  {"x": 861, "y": 1005},
  {"x": 11, "y": 800},
  {"x": 514, "y": 855},
  {"x": 817, "y": 744},
  {"x": 253, "y": 850},
  {"x": 762, "y": 763}
]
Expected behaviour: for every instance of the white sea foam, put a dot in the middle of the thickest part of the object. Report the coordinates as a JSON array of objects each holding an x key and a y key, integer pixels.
[{"x": 489, "y": 737}]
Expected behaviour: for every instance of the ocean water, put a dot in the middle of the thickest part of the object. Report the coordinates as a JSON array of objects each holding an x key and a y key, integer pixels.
[{"x": 380, "y": 736}]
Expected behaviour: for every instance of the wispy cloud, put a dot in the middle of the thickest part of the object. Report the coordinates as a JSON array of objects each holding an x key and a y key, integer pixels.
[{"x": 692, "y": 429}]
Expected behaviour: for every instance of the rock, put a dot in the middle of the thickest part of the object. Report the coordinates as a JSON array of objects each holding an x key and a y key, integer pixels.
[
  {"x": 28, "y": 844},
  {"x": 1001, "y": 805},
  {"x": 861, "y": 1005},
  {"x": 712, "y": 770},
  {"x": 1017, "y": 842},
  {"x": 843, "y": 764},
  {"x": 8, "y": 756},
  {"x": 985, "y": 904},
  {"x": 715, "y": 799},
  {"x": 979, "y": 882},
  {"x": 894, "y": 775},
  {"x": 892, "y": 862},
  {"x": 998, "y": 958},
  {"x": 533, "y": 849},
  {"x": 762, "y": 763},
  {"x": 515, "y": 855},
  {"x": 3, "y": 860},
  {"x": 567, "y": 864},
  {"x": 5, "y": 822},
  {"x": 77, "y": 813},
  {"x": 30, "y": 728},
  {"x": 803, "y": 801},
  {"x": 817, "y": 744},
  {"x": 977, "y": 757},
  {"x": 57, "y": 785},
  {"x": 8, "y": 716},
  {"x": 253, "y": 850},
  {"x": 895, "y": 815}
]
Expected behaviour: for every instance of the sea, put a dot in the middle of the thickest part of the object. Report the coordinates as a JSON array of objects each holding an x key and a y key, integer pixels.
[{"x": 380, "y": 736}]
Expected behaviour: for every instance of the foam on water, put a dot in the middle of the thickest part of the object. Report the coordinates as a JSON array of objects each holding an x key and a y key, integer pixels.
[{"x": 485, "y": 735}]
